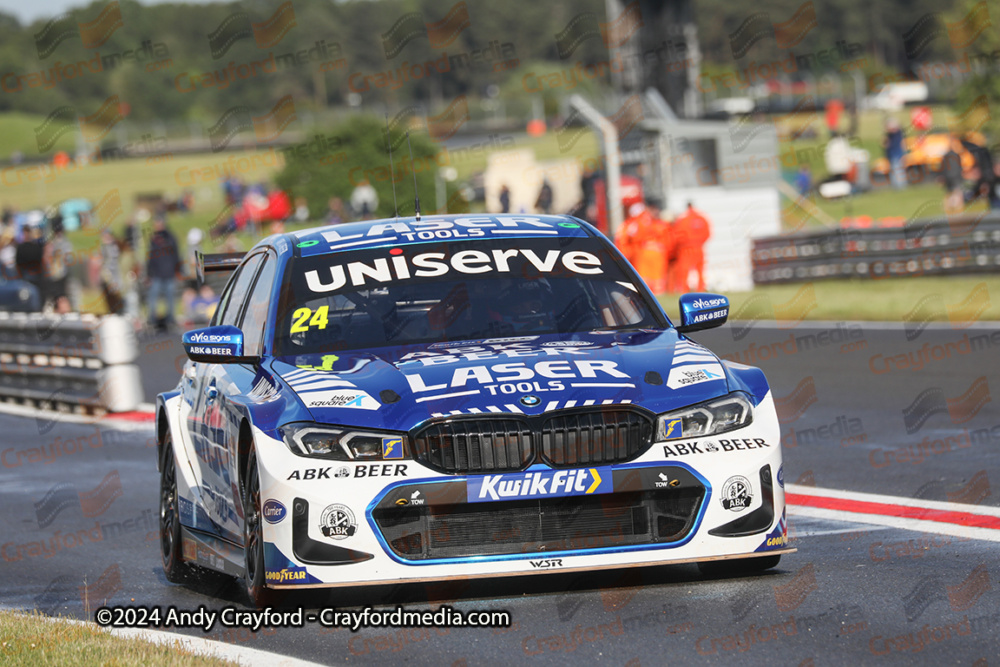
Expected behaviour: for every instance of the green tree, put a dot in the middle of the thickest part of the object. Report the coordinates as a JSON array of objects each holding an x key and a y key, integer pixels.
[
  {"x": 978, "y": 97},
  {"x": 355, "y": 151}
]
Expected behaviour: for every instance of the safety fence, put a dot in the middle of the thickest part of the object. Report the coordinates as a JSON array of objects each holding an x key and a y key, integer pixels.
[
  {"x": 959, "y": 244},
  {"x": 82, "y": 363}
]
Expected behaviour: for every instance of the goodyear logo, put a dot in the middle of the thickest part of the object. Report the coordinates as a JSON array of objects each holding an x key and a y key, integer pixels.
[
  {"x": 286, "y": 575},
  {"x": 542, "y": 484},
  {"x": 673, "y": 430},
  {"x": 392, "y": 448}
]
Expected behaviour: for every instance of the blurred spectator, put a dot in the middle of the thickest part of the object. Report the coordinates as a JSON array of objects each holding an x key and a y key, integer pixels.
[
  {"x": 504, "y": 199},
  {"x": 803, "y": 181},
  {"x": 951, "y": 175},
  {"x": 985, "y": 174},
  {"x": 837, "y": 156},
  {"x": 834, "y": 108},
  {"x": 57, "y": 254},
  {"x": 894, "y": 151},
  {"x": 233, "y": 189},
  {"x": 29, "y": 257},
  {"x": 194, "y": 239},
  {"x": 8, "y": 252},
  {"x": 544, "y": 201},
  {"x": 279, "y": 206},
  {"x": 111, "y": 276},
  {"x": 364, "y": 200},
  {"x": 162, "y": 268},
  {"x": 335, "y": 214},
  {"x": 202, "y": 307},
  {"x": 301, "y": 210},
  {"x": 587, "y": 181}
]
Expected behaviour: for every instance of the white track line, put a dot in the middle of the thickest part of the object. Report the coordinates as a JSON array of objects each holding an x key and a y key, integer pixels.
[{"x": 873, "y": 517}]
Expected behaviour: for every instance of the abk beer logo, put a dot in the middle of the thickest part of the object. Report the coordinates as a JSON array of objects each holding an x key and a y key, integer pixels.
[{"x": 337, "y": 522}]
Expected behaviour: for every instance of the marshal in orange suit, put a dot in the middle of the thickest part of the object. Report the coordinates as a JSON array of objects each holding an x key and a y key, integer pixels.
[
  {"x": 646, "y": 242},
  {"x": 691, "y": 232}
]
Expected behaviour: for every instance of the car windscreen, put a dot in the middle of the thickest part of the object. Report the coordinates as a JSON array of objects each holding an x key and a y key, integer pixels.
[{"x": 463, "y": 290}]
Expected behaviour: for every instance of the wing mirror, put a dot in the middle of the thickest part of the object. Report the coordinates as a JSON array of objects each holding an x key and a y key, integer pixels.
[
  {"x": 216, "y": 345},
  {"x": 702, "y": 311}
]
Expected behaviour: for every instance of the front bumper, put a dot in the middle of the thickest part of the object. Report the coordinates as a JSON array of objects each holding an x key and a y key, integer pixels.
[{"x": 346, "y": 523}]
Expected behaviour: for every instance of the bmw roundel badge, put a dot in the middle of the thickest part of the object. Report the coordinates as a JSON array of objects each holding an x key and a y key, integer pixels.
[{"x": 530, "y": 401}]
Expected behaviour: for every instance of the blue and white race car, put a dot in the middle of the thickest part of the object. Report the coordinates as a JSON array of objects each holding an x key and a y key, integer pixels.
[{"x": 452, "y": 397}]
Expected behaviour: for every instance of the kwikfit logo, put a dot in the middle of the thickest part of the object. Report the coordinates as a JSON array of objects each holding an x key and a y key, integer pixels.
[{"x": 544, "y": 484}]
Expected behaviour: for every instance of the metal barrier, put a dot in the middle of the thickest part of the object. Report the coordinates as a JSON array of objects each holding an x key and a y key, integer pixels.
[
  {"x": 959, "y": 244},
  {"x": 81, "y": 361}
]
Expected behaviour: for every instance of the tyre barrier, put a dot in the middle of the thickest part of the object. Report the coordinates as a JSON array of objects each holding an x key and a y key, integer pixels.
[
  {"x": 960, "y": 244},
  {"x": 80, "y": 362}
]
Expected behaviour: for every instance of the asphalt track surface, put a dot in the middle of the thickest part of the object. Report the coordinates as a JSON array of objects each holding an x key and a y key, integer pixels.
[{"x": 858, "y": 414}]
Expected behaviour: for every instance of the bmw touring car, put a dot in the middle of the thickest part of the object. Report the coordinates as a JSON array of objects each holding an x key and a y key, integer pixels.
[{"x": 459, "y": 397}]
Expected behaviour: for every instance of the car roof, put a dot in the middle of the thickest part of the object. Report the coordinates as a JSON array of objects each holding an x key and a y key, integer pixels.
[{"x": 434, "y": 228}]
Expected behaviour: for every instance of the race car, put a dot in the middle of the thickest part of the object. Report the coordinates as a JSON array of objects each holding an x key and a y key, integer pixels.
[{"x": 459, "y": 397}]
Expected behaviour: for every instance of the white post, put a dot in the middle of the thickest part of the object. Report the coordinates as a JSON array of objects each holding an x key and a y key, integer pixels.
[{"x": 612, "y": 160}]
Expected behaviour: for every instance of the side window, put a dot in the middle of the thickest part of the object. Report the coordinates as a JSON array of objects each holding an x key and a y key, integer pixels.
[
  {"x": 240, "y": 289},
  {"x": 227, "y": 292},
  {"x": 257, "y": 305}
]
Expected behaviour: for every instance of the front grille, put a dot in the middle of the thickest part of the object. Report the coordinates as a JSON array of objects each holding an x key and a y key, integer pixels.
[
  {"x": 563, "y": 439},
  {"x": 481, "y": 445},
  {"x": 539, "y": 526},
  {"x": 595, "y": 438}
]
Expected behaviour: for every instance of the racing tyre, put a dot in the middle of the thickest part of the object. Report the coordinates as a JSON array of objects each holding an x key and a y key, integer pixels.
[
  {"x": 737, "y": 568},
  {"x": 253, "y": 538},
  {"x": 170, "y": 522}
]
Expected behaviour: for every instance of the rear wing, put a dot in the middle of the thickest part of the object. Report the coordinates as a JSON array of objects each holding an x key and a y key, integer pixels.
[{"x": 223, "y": 261}]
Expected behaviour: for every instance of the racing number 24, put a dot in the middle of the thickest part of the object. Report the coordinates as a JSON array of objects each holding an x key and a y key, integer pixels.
[{"x": 303, "y": 318}]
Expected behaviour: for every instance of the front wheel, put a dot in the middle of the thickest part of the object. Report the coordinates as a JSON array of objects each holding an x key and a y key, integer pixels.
[
  {"x": 253, "y": 538},
  {"x": 170, "y": 524},
  {"x": 738, "y": 568}
]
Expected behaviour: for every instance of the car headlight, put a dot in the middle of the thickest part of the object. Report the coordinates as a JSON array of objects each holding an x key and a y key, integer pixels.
[
  {"x": 342, "y": 444},
  {"x": 709, "y": 418}
]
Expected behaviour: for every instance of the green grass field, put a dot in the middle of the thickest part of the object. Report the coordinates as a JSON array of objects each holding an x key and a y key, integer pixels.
[
  {"x": 955, "y": 299},
  {"x": 17, "y": 134},
  {"x": 34, "y": 639}
]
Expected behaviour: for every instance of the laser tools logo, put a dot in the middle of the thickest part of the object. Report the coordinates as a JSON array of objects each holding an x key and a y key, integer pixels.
[{"x": 92, "y": 33}]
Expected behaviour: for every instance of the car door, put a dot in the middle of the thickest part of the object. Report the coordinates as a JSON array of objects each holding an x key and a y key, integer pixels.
[
  {"x": 207, "y": 424},
  {"x": 234, "y": 383}
]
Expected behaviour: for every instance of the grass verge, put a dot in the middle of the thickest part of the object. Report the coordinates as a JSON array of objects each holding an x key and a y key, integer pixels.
[
  {"x": 956, "y": 299},
  {"x": 35, "y": 639}
]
